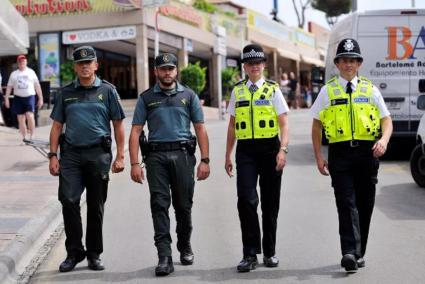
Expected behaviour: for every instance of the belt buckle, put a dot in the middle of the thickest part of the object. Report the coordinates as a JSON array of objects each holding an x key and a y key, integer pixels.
[{"x": 354, "y": 143}]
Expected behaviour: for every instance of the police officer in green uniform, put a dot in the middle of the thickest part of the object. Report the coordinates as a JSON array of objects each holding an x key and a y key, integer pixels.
[
  {"x": 352, "y": 113},
  {"x": 258, "y": 113},
  {"x": 85, "y": 107},
  {"x": 168, "y": 108}
]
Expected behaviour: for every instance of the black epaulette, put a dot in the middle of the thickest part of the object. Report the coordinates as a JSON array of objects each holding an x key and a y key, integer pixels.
[
  {"x": 240, "y": 82},
  {"x": 142, "y": 93},
  {"x": 271, "y": 82},
  {"x": 110, "y": 84},
  {"x": 67, "y": 85}
]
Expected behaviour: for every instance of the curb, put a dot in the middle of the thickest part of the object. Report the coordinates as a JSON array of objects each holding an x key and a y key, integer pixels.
[{"x": 25, "y": 239}]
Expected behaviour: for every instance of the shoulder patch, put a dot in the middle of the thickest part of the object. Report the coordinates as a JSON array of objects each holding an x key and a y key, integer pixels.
[
  {"x": 331, "y": 80},
  {"x": 271, "y": 82},
  {"x": 240, "y": 82},
  {"x": 362, "y": 78},
  {"x": 110, "y": 84}
]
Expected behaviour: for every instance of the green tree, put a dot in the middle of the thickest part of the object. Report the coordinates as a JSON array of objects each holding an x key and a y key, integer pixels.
[
  {"x": 203, "y": 5},
  {"x": 332, "y": 8},
  {"x": 193, "y": 76},
  {"x": 67, "y": 72},
  {"x": 228, "y": 80}
]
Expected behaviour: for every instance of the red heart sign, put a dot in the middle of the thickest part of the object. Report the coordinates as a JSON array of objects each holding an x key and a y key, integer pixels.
[{"x": 72, "y": 37}]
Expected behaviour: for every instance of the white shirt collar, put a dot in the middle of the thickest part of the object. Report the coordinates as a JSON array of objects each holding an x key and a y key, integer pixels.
[
  {"x": 344, "y": 82},
  {"x": 259, "y": 83}
]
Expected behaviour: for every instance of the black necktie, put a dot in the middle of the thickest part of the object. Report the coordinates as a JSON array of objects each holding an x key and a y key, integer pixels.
[
  {"x": 253, "y": 88},
  {"x": 349, "y": 90}
]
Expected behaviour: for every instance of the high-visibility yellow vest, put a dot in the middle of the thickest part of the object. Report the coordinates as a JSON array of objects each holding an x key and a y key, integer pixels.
[
  {"x": 354, "y": 117},
  {"x": 255, "y": 116}
]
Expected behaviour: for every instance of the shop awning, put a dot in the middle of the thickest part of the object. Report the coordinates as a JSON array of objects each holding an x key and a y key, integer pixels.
[
  {"x": 313, "y": 61},
  {"x": 288, "y": 54},
  {"x": 14, "y": 36}
]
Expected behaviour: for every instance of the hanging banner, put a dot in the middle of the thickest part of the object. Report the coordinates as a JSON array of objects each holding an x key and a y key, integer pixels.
[
  {"x": 96, "y": 35},
  {"x": 49, "y": 63}
]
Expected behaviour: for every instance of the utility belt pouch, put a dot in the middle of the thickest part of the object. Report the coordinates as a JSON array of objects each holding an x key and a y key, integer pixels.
[
  {"x": 107, "y": 143},
  {"x": 191, "y": 145},
  {"x": 144, "y": 145}
]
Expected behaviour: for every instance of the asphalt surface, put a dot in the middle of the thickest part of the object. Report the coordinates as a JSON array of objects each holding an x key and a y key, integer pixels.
[{"x": 307, "y": 239}]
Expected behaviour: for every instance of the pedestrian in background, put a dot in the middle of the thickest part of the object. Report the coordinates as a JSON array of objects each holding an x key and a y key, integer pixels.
[
  {"x": 168, "y": 108},
  {"x": 284, "y": 85},
  {"x": 352, "y": 112},
  {"x": 293, "y": 96},
  {"x": 86, "y": 107},
  {"x": 25, "y": 85},
  {"x": 258, "y": 113}
]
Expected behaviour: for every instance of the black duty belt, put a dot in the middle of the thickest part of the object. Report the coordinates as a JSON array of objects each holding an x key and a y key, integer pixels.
[
  {"x": 353, "y": 144},
  {"x": 167, "y": 146},
  {"x": 84, "y": 147}
]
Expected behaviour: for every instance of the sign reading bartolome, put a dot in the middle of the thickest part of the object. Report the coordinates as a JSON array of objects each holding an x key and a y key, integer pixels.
[{"x": 34, "y": 8}]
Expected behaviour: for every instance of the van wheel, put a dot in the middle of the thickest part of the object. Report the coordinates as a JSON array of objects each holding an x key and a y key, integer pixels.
[{"x": 417, "y": 165}]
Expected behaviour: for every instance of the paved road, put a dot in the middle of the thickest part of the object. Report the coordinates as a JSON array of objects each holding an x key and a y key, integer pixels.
[{"x": 307, "y": 241}]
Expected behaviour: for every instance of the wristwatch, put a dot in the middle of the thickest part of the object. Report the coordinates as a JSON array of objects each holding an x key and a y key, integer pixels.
[
  {"x": 205, "y": 160},
  {"x": 284, "y": 149},
  {"x": 52, "y": 154}
]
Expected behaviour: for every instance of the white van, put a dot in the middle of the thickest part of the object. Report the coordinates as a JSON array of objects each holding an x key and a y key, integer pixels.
[{"x": 392, "y": 43}]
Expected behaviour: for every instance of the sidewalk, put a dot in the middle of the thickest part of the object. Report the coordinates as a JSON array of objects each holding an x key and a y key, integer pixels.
[{"x": 28, "y": 193}]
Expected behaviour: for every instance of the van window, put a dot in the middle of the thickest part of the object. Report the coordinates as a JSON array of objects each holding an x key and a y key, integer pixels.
[{"x": 421, "y": 102}]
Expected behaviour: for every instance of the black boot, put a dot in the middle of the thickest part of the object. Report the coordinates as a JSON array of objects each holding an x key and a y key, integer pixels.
[
  {"x": 349, "y": 262},
  {"x": 165, "y": 266},
  {"x": 70, "y": 262},
  {"x": 94, "y": 263},
  {"x": 247, "y": 264},
  {"x": 186, "y": 255}
]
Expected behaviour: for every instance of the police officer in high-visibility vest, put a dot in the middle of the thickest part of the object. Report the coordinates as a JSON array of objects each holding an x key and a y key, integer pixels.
[
  {"x": 258, "y": 114},
  {"x": 357, "y": 123}
]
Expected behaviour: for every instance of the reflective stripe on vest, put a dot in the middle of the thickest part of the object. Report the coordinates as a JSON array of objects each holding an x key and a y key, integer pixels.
[
  {"x": 255, "y": 116},
  {"x": 350, "y": 118}
]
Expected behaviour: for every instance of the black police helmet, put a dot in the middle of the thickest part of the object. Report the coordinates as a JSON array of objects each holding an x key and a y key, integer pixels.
[
  {"x": 165, "y": 59},
  {"x": 84, "y": 53},
  {"x": 350, "y": 48},
  {"x": 253, "y": 53}
]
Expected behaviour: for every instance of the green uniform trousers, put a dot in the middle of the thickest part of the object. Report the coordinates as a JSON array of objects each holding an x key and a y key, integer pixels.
[{"x": 171, "y": 177}]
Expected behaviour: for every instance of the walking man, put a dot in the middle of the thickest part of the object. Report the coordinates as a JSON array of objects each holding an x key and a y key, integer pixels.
[
  {"x": 25, "y": 85},
  {"x": 86, "y": 107},
  {"x": 168, "y": 108},
  {"x": 353, "y": 114},
  {"x": 258, "y": 113}
]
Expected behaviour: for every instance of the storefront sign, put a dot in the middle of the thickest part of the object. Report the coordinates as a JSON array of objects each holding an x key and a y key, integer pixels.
[
  {"x": 182, "y": 12},
  {"x": 96, "y": 35},
  {"x": 36, "y": 8},
  {"x": 49, "y": 63},
  {"x": 305, "y": 38},
  {"x": 265, "y": 25}
]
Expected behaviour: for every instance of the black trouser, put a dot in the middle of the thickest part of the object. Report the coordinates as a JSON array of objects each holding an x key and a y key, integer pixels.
[
  {"x": 258, "y": 159},
  {"x": 171, "y": 171},
  {"x": 354, "y": 173},
  {"x": 79, "y": 169}
]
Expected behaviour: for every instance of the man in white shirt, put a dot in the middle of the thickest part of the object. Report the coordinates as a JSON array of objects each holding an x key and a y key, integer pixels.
[{"x": 25, "y": 85}]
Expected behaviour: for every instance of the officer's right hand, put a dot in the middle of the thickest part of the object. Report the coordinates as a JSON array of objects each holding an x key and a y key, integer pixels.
[
  {"x": 322, "y": 165},
  {"x": 137, "y": 174},
  {"x": 228, "y": 166},
  {"x": 54, "y": 166},
  {"x": 6, "y": 103}
]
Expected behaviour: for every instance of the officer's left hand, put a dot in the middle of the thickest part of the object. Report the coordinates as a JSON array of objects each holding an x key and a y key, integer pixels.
[
  {"x": 280, "y": 161},
  {"x": 379, "y": 148},
  {"x": 118, "y": 165},
  {"x": 203, "y": 171}
]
